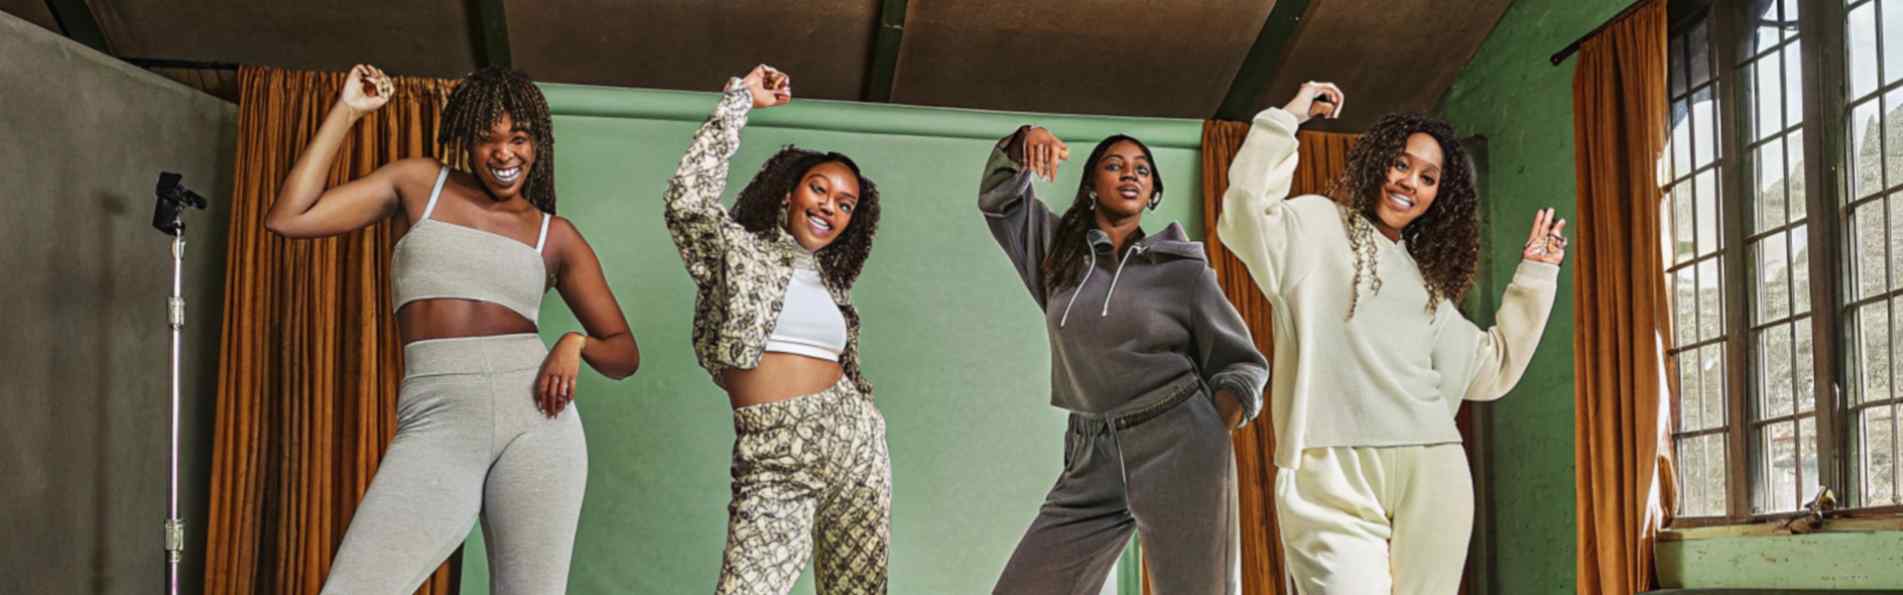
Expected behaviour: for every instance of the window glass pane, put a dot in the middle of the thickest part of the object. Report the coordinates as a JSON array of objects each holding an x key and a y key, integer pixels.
[
  {"x": 1892, "y": 11},
  {"x": 1878, "y": 456},
  {"x": 1774, "y": 372},
  {"x": 1807, "y": 459},
  {"x": 1862, "y": 47},
  {"x": 1800, "y": 270},
  {"x": 1866, "y": 150},
  {"x": 1804, "y": 371},
  {"x": 1711, "y": 313},
  {"x": 1705, "y": 191},
  {"x": 1767, "y": 162},
  {"x": 1867, "y": 248},
  {"x": 1870, "y": 360},
  {"x": 1711, "y": 385},
  {"x": 1771, "y": 266},
  {"x": 1780, "y": 468},
  {"x": 1690, "y": 410}
]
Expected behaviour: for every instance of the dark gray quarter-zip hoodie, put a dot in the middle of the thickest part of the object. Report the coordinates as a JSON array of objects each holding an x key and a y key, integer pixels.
[{"x": 1134, "y": 322}]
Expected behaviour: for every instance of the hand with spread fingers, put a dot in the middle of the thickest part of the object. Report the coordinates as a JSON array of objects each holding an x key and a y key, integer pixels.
[
  {"x": 366, "y": 89},
  {"x": 769, "y": 86},
  {"x": 1547, "y": 242}
]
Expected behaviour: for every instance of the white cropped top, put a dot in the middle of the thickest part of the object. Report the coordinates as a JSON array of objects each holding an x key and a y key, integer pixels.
[{"x": 810, "y": 323}]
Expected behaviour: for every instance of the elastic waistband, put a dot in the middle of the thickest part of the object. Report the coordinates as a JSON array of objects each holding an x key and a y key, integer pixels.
[
  {"x": 474, "y": 355},
  {"x": 766, "y": 416},
  {"x": 1144, "y": 407}
]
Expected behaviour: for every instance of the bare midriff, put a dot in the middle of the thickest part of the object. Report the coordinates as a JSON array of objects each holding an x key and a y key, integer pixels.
[
  {"x": 449, "y": 318},
  {"x": 780, "y": 376}
]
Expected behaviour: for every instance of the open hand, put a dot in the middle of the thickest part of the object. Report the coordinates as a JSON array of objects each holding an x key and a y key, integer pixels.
[{"x": 1547, "y": 242}]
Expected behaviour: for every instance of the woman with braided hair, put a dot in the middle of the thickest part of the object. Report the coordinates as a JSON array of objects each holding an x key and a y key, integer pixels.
[
  {"x": 1372, "y": 360},
  {"x": 485, "y": 423}
]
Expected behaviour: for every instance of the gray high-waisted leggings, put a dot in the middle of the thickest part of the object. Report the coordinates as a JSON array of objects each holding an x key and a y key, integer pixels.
[
  {"x": 1161, "y": 466},
  {"x": 469, "y": 441}
]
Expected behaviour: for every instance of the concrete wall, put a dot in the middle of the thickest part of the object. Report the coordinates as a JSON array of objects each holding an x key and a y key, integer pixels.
[{"x": 86, "y": 378}]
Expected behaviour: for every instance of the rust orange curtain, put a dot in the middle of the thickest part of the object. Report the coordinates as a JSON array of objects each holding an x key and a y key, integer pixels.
[
  {"x": 310, "y": 358},
  {"x": 1619, "y": 130},
  {"x": 1322, "y": 157}
]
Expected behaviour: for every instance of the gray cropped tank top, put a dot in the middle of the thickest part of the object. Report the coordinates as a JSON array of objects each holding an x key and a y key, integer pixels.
[{"x": 446, "y": 260}]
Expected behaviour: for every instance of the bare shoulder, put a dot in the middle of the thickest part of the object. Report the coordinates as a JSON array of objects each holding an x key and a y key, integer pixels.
[
  {"x": 413, "y": 178},
  {"x": 563, "y": 236}
]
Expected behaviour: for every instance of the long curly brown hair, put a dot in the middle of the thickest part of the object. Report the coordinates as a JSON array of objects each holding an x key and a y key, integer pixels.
[
  {"x": 481, "y": 99},
  {"x": 761, "y": 209},
  {"x": 1444, "y": 241},
  {"x": 1068, "y": 248}
]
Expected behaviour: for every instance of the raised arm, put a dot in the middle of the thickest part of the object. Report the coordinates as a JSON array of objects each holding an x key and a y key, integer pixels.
[
  {"x": 1020, "y": 223},
  {"x": 304, "y": 208},
  {"x": 1483, "y": 365},
  {"x": 1257, "y": 224},
  {"x": 695, "y": 217}
]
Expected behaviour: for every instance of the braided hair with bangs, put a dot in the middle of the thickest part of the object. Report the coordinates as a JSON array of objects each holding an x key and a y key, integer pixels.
[{"x": 478, "y": 102}]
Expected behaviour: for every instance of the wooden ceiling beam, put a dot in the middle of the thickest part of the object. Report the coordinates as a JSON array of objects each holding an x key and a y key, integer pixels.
[
  {"x": 883, "y": 66},
  {"x": 77, "y": 22},
  {"x": 489, "y": 30},
  {"x": 1264, "y": 59}
]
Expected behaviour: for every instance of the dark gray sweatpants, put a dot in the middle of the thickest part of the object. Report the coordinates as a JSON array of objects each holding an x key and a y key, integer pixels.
[{"x": 1161, "y": 466}]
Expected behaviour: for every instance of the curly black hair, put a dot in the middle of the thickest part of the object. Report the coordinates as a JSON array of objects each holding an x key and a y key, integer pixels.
[
  {"x": 1444, "y": 241},
  {"x": 1068, "y": 247},
  {"x": 481, "y": 99},
  {"x": 761, "y": 209}
]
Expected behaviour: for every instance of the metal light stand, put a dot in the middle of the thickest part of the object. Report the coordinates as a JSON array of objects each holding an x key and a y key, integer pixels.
[
  {"x": 168, "y": 216},
  {"x": 174, "y": 526}
]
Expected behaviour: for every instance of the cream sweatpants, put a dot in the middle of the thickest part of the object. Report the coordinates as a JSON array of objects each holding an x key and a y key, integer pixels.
[{"x": 1363, "y": 520}]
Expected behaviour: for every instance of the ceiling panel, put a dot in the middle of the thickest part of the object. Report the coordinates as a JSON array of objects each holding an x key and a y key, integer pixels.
[
  {"x": 1387, "y": 56},
  {"x": 1093, "y": 57},
  {"x": 413, "y": 37},
  {"x": 32, "y": 11},
  {"x": 693, "y": 45}
]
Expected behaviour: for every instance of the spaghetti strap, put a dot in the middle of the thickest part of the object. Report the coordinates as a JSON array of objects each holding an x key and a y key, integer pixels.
[
  {"x": 435, "y": 192},
  {"x": 543, "y": 236}
]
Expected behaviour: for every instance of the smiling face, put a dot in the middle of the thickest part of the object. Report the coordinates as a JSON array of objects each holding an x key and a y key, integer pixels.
[
  {"x": 1123, "y": 179},
  {"x": 502, "y": 157},
  {"x": 1413, "y": 180},
  {"x": 821, "y": 205}
]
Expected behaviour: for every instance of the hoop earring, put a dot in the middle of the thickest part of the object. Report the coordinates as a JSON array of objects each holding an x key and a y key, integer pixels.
[
  {"x": 1093, "y": 199},
  {"x": 1156, "y": 199}
]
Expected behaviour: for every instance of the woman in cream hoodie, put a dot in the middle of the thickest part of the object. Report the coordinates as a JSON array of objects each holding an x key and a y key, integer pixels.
[{"x": 1372, "y": 359}]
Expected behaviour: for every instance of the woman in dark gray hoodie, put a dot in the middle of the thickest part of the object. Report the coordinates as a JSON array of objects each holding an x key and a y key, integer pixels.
[{"x": 1154, "y": 364}]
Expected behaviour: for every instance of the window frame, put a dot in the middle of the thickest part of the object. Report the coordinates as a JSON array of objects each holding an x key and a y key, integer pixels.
[{"x": 1823, "y": 128}]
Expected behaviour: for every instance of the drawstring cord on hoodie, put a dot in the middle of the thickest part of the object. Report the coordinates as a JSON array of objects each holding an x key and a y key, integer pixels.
[
  {"x": 1137, "y": 249},
  {"x": 1080, "y": 286}
]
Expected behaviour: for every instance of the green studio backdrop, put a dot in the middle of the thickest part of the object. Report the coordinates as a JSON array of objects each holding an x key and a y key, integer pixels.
[{"x": 951, "y": 340}]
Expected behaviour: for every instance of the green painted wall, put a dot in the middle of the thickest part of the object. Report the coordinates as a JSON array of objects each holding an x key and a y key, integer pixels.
[
  {"x": 1512, "y": 95},
  {"x": 1814, "y": 561},
  {"x": 952, "y": 342}
]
